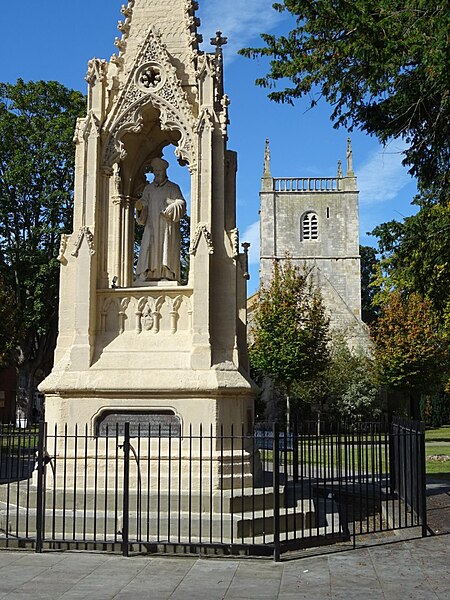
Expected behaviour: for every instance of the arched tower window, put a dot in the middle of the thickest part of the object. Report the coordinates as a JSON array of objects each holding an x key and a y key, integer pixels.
[{"x": 310, "y": 226}]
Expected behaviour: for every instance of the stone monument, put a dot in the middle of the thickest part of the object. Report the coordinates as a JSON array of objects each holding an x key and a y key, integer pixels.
[{"x": 134, "y": 344}]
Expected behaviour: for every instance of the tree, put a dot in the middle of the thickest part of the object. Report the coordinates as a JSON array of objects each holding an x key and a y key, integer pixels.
[
  {"x": 9, "y": 325},
  {"x": 381, "y": 64},
  {"x": 416, "y": 256},
  {"x": 411, "y": 348},
  {"x": 345, "y": 389},
  {"x": 37, "y": 121},
  {"x": 290, "y": 330},
  {"x": 369, "y": 262}
]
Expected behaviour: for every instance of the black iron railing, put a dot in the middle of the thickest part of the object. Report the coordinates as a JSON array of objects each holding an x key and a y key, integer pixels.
[{"x": 260, "y": 492}]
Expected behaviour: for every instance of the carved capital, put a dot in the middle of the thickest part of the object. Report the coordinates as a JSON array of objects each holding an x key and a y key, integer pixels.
[
  {"x": 84, "y": 233},
  {"x": 202, "y": 230}
]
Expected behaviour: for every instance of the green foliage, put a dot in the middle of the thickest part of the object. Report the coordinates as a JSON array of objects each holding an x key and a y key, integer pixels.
[
  {"x": 369, "y": 289},
  {"x": 416, "y": 255},
  {"x": 9, "y": 325},
  {"x": 346, "y": 389},
  {"x": 381, "y": 64},
  {"x": 37, "y": 121},
  {"x": 411, "y": 346},
  {"x": 435, "y": 409},
  {"x": 290, "y": 329}
]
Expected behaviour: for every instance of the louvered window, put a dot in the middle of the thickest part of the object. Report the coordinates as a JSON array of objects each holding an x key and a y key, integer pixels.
[{"x": 310, "y": 226}]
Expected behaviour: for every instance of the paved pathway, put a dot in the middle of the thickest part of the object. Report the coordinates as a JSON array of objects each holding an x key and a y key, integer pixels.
[{"x": 417, "y": 570}]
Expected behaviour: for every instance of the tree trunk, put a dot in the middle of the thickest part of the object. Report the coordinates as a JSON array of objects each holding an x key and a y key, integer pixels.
[
  {"x": 34, "y": 363},
  {"x": 25, "y": 390}
]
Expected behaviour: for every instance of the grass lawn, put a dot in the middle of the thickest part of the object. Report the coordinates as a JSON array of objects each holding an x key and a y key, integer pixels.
[
  {"x": 440, "y": 434},
  {"x": 365, "y": 455},
  {"x": 438, "y": 469},
  {"x": 12, "y": 438}
]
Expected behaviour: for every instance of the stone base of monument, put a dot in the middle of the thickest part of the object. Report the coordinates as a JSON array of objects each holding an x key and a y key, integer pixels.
[
  {"x": 172, "y": 469},
  {"x": 162, "y": 448},
  {"x": 220, "y": 518}
]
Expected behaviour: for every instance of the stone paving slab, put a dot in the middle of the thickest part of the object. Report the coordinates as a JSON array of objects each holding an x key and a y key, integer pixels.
[{"x": 405, "y": 570}]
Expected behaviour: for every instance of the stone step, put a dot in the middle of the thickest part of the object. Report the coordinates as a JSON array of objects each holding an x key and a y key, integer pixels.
[
  {"x": 158, "y": 527},
  {"x": 219, "y": 501}
]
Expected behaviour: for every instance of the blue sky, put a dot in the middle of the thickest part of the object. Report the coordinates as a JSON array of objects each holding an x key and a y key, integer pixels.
[{"x": 56, "y": 38}]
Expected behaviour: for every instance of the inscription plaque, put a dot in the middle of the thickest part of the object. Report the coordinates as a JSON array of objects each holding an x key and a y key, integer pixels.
[{"x": 143, "y": 424}]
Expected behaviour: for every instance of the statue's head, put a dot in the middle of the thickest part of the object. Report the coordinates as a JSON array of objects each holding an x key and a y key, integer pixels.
[{"x": 158, "y": 167}]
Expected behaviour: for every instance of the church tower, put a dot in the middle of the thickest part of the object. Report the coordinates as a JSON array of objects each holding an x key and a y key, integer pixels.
[{"x": 315, "y": 220}]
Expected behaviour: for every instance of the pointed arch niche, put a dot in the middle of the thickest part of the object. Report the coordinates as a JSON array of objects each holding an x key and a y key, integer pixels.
[{"x": 129, "y": 151}]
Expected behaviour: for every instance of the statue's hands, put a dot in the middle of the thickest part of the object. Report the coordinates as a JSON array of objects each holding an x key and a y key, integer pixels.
[
  {"x": 139, "y": 206},
  {"x": 168, "y": 212},
  {"x": 174, "y": 211}
]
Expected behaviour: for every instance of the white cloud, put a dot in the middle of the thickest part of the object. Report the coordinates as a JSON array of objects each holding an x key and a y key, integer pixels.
[
  {"x": 383, "y": 176},
  {"x": 241, "y": 22},
  {"x": 251, "y": 235}
]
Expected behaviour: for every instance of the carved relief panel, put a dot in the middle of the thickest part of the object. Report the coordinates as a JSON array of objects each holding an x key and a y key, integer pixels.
[{"x": 156, "y": 313}]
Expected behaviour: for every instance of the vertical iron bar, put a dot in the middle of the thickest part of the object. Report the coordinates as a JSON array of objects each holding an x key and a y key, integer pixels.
[
  {"x": 19, "y": 474},
  {"x": 380, "y": 472},
  {"x": 253, "y": 481},
  {"x": 179, "y": 484},
  {"x": 276, "y": 491},
  {"x": 190, "y": 483},
  {"x": 423, "y": 481},
  {"x": 85, "y": 480},
  {"x": 332, "y": 474},
  {"x": 9, "y": 474},
  {"x": 222, "y": 477},
  {"x": 55, "y": 466},
  {"x": 405, "y": 475},
  {"x": 365, "y": 437},
  {"x": 126, "y": 489},
  {"x": 295, "y": 455},
  {"x": 201, "y": 486},
  {"x": 169, "y": 487},
  {"x": 95, "y": 487},
  {"x": 211, "y": 484},
  {"x": 302, "y": 474},
  {"x": 64, "y": 491},
  {"x": 242, "y": 480},
  {"x": 139, "y": 487},
  {"x": 116, "y": 483},
  {"x": 350, "y": 437},
  {"x": 232, "y": 485},
  {"x": 106, "y": 470},
  {"x": 75, "y": 465},
  {"x": 40, "y": 487},
  {"x": 30, "y": 446},
  {"x": 149, "y": 481},
  {"x": 158, "y": 501},
  {"x": 319, "y": 471}
]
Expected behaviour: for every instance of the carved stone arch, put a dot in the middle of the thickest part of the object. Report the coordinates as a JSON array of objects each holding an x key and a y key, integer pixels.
[
  {"x": 152, "y": 82},
  {"x": 132, "y": 121}
]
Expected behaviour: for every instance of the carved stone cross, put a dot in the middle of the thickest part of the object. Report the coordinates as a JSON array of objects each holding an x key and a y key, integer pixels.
[{"x": 219, "y": 41}]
